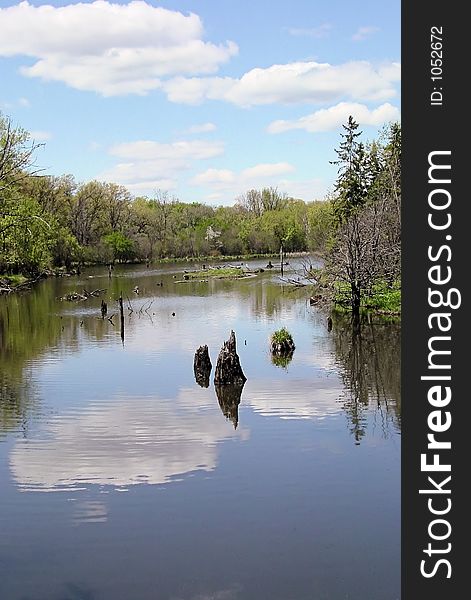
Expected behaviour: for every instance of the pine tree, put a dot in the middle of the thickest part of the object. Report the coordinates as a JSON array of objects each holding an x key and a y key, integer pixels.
[{"x": 352, "y": 183}]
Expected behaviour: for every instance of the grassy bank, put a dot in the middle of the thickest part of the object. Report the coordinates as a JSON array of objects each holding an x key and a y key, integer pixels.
[{"x": 384, "y": 298}]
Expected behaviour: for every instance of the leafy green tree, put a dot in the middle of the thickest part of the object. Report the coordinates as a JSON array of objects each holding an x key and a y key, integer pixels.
[
  {"x": 122, "y": 247},
  {"x": 26, "y": 239}
]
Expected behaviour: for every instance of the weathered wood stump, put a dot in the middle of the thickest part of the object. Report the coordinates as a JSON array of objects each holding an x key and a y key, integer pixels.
[
  {"x": 282, "y": 344},
  {"x": 228, "y": 369},
  {"x": 229, "y": 400},
  {"x": 202, "y": 366},
  {"x": 283, "y": 348}
]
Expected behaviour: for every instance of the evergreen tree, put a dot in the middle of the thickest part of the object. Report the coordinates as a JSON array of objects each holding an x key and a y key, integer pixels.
[{"x": 352, "y": 182}]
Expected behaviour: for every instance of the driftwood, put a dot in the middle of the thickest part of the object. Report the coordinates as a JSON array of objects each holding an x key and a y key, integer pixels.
[
  {"x": 228, "y": 369},
  {"x": 291, "y": 281},
  {"x": 202, "y": 366},
  {"x": 85, "y": 295},
  {"x": 6, "y": 288}
]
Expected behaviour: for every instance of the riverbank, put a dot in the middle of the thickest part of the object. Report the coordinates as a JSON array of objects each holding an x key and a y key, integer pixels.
[
  {"x": 14, "y": 283},
  {"x": 20, "y": 282}
]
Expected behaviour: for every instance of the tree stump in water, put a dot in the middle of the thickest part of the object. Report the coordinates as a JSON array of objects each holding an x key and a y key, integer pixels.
[
  {"x": 228, "y": 369},
  {"x": 202, "y": 366},
  {"x": 282, "y": 344}
]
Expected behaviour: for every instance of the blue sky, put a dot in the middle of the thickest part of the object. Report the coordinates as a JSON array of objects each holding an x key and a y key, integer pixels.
[{"x": 202, "y": 98}]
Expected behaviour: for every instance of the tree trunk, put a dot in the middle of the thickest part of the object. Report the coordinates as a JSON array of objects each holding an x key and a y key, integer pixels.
[{"x": 228, "y": 369}]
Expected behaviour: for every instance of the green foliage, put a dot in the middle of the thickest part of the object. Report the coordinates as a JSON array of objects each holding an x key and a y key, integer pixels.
[
  {"x": 281, "y": 336},
  {"x": 365, "y": 249},
  {"x": 122, "y": 247},
  {"x": 382, "y": 297},
  {"x": 26, "y": 239},
  {"x": 353, "y": 175},
  {"x": 385, "y": 298},
  {"x": 281, "y": 360},
  {"x": 55, "y": 221},
  {"x": 14, "y": 280}
]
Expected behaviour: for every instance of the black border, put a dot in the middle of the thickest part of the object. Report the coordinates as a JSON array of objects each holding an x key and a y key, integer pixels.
[{"x": 427, "y": 128}]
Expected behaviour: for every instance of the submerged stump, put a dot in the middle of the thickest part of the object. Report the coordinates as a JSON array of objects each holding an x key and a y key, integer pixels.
[
  {"x": 202, "y": 366},
  {"x": 282, "y": 346},
  {"x": 228, "y": 369}
]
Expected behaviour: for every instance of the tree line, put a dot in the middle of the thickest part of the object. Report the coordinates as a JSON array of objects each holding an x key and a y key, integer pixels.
[{"x": 48, "y": 221}]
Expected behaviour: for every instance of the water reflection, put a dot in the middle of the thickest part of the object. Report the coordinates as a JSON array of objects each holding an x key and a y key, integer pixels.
[
  {"x": 89, "y": 511},
  {"x": 229, "y": 399},
  {"x": 302, "y": 399},
  {"x": 369, "y": 355},
  {"x": 282, "y": 361},
  {"x": 82, "y": 414},
  {"x": 121, "y": 443},
  {"x": 17, "y": 403}
]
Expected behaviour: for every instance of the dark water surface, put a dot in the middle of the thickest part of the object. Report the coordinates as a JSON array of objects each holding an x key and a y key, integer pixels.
[{"x": 122, "y": 479}]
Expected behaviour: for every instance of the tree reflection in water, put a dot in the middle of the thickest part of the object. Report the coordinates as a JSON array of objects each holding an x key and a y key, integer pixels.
[{"x": 368, "y": 352}]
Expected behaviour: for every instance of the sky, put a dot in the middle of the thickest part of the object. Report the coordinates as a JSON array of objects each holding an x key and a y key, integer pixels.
[{"x": 204, "y": 99}]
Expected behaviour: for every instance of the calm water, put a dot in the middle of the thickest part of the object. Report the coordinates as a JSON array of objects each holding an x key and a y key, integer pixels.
[{"x": 122, "y": 479}]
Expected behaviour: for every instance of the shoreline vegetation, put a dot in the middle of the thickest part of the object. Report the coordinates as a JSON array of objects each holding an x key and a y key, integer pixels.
[{"x": 55, "y": 226}]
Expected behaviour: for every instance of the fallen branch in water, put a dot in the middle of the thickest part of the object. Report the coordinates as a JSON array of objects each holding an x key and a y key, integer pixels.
[
  {"x": 77, "y": 297},
  {"x": 294, "y": 282},
  {"x": 6, "y": 288}
]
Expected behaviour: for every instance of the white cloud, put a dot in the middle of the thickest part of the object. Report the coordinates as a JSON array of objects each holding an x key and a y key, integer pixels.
[
  {"x": 225, "y": 185},
  {"x": 315, "y": 399},
  {"x": 307, "y": 189},
  {"x": 109, "y": 48},
  {"x": 258, "y": 175},
  {"x": 20, "y": 102},
  {"x": 322, "y": 31},
  {"x": 40, "y": 136},
  {"x": 266, "y": 170},
  {"x": 218, "y": 177},
  {"x": 291, "y": 83},
  {"x": 150, "y": 150},
  {"x": 99, "y": 446},
  {"x": 201, "y": 128},
  {"x": 151, "y": 186},
  {"x": 153, "y": 165},
  {"x": 328, "y": 119},
  {"x": 195, "y": 90},
  {"x": 364, "y": 32}
]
